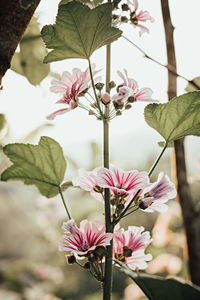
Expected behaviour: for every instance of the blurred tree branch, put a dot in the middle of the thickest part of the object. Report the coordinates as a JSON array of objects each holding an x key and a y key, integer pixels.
[
  {"x": 169, "y": 67},
  {"x": 190, "y": 217},
  {"x": 15, "y": 16}
]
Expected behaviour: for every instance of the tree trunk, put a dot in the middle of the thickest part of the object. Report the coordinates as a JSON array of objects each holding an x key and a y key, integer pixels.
[
  {"x": 190, "y": 217},
  {"x": 15, "y": 16}
]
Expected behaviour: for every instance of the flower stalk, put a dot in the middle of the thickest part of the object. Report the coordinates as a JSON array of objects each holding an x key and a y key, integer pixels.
[
  {"x": 157, "y": 160},
  {"x": 107, "y": 286},
  {"x": 63, "y": 201}
]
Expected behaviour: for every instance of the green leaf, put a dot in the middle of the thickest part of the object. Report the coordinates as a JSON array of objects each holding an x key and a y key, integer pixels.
[
  {"x": 2, "y": 121},
  {"x": 43, "y": 165},
  {"x": 190, "y": 87},
  {"x": 79, "y": 31},
  {"x": 29, "y": 61},
  {"x": 159, "y": 288},
  {"x": 177, "y": 118}
]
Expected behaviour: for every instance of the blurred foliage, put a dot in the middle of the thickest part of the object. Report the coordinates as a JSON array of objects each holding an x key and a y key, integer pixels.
[{"x": 29, "y": 61}]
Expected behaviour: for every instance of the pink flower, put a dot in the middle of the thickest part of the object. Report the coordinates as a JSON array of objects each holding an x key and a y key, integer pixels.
[
  {"x": 105, "y": 98},
  {"x": 84, "y": 240},
  {"x": 136, "y": 17},
  {"x": 71, "y": 86},
  {"x": 122, "y": 96},
  {"x": 129, "y": 247},
  {"x": 130, "y": 88},
  {"x": 86, "y": 181},
  {"x": 157, "y": 194},
  {"x": 121, "y": 182}
]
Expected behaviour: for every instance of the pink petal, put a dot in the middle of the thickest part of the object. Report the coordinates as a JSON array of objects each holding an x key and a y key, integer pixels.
[{"x": 56, "y": 113}]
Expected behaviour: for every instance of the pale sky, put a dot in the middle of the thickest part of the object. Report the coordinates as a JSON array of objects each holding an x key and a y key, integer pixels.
[{"x": 26, "y": 106}]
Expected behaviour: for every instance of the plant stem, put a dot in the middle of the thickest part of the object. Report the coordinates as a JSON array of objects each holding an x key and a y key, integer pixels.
[
  {"x": 107, "y": 286},
  {"x": 93, "y": 86},
  {"x": 157, "y": 160},
  {"x": 63, "y": 200},
  {"x": 169, "y": 67}
]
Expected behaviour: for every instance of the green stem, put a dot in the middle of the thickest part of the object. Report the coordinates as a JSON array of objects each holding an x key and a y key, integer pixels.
[
  {"x": 157, "y": 160},
  {"x": 107, "y": 286},
  {"x": 94, "y": 90},
  {"x": 63, "y": 200},
  {"x": 127, "y": 208}
]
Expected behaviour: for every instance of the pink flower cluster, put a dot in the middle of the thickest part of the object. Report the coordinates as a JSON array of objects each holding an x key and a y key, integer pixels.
[
  {"x": 125, "y": 184},
  {"x": 129, "y": 246},
  {"x": 71, "y": 86}
]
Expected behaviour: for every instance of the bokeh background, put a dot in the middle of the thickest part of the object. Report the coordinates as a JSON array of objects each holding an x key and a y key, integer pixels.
[{"x": 31, "y": 268}]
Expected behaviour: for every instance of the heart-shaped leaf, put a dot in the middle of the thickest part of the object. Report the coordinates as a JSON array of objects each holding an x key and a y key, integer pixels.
[
  {"x": 43, "y": 165},
  {"x": 79, "y": 31},
  {"x": 177, "y": 118}
]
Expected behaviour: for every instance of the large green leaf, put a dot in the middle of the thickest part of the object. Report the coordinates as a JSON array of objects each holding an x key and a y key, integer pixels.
[
  {"x": 177, "y": 118},
  {"x": 43, "y": 165},
  {"x": 159, "y": 288},
  {"x": 28, "y": 62},
  {"x": 79, "y": 31}
]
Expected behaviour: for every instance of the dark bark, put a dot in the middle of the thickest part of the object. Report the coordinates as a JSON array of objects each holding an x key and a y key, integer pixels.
[
  {"x": 15, "y": 16},
  {"x": 187, "y": 205}
]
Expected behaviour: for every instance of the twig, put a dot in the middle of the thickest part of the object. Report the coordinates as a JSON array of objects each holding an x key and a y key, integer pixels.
[{"x": 170, "y": 67}]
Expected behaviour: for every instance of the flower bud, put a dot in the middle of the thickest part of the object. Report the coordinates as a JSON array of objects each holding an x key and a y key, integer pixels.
[
  {"x": 105, "y": 98},
  {"x": 71, "y": 259},
  {"x": 92, "y": 258},
  {"x": 124, "y": 19},
  {"x": 115, "y": 3},
  {"x": 145, "y": 203},
  {"x": 128, "y": 106},
  {"x": 100, "y": 252},
  {"x": 118, "y": 113},
  {"x": 99, "y": 86},
  {"x": 87, "y": 265},
  {"x": 120, "y": 206},
  {"x": 111, "y": 84},
  {"x": 98, "y": 189},
  {"x": 118, "y": 105},
  {"x": 83, "y": 92},
  {"x": 90, "y": 112},
  {"x": 125, "y": 7},
  {"x": 131, "y": 99},
  {"x": 118, "y": 87}
]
